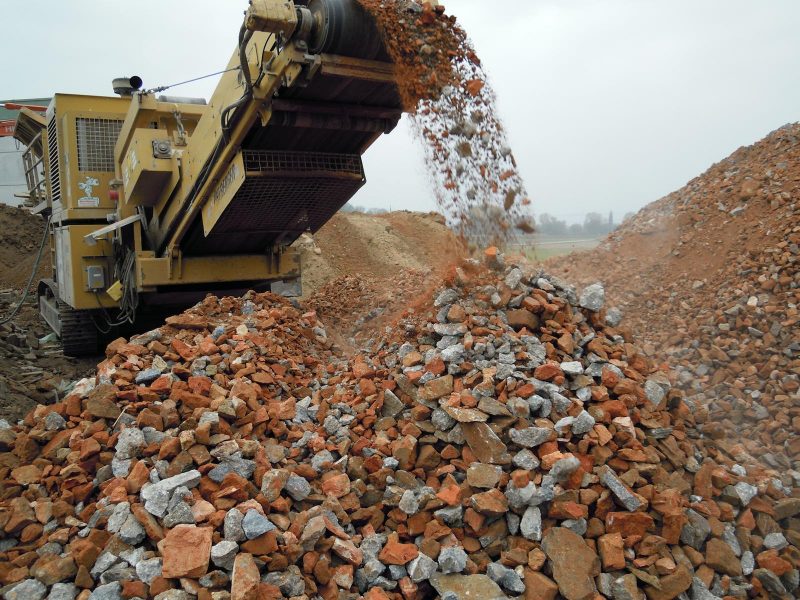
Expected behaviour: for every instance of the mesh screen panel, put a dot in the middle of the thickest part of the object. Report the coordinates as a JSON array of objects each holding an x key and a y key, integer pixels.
[
  {"x": 283, "y": 195},
  {"x": 96, "y": 139}
]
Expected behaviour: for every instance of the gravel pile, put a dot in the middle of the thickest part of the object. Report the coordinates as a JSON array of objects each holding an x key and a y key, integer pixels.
[
  {"x": 708, "y": 278},
  {"x": 505, "y": 440}
]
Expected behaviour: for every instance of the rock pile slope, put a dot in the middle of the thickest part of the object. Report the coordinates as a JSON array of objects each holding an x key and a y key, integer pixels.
[
  {"x": 507, "y": 439},
  {"x": 709, "y": 277}
]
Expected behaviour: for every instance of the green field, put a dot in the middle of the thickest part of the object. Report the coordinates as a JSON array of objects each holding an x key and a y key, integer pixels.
[{"x": 540, "y": 248}]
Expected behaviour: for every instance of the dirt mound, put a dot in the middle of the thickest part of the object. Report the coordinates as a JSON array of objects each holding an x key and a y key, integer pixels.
[
  {"x": 20, "y": 235},
  {"x": 361, "y": 269},
  {"x": 709, "y": 277}
]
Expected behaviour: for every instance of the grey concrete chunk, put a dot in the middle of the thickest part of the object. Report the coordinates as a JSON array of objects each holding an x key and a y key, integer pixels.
[
  {"x": 421, "y": 568},
  {"x": 232, "y": 526},
  {"x": 232, "y": 464},
  {"x": 775, "y": 541},
  {"x": 148, "y": 570},
  {"x": 531, "y": 524},
  {"x": 564, "y": 468},
  {"x": 28, "y": 589},
  {"x": 583, "y": 423},
  {"x": 452, "y": 559},
  {"x": 224, "y": 553},
  {"x": 180, "y": 514},
  {"x": 696, "y": 531},
  {"x": 745, "y": 492},
  {"x": 109, "y": 591},
  {"x": 297, "y": 487},
  {"x": 132, "y": 532},
  {"x": 621, "y": 492},
  {"x": 593, "y": 297},
  {"x": 255, "y": 524},
  {"x": 189, "y": 479},
  {"x": 63, "y": 591},
  {"x": 130, "y": 443},
  {"x": 507, "y": 578},
  {"x": 530, "y": 437}
]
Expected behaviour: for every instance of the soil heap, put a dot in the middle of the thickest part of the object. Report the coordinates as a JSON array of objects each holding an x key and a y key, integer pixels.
[
  {"x": 709, "y": 277},
  {"x": 20, "y": 235},
  {"x": 504, "y": 440},
  {"x": 453, "y": 113},
  {"x": 389, "y": 262}
]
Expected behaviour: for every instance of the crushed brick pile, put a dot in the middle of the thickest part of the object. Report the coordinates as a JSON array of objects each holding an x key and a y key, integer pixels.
[
  {"x": 708, "y": 277},
  {"x": 454, "y": 114},
  {"x": 504, "y": 440}
]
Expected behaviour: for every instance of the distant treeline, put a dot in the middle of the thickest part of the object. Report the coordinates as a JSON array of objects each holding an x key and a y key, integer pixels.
[
  {"x": 360, "y": 209},
  {"x": 594, "y": 224}
]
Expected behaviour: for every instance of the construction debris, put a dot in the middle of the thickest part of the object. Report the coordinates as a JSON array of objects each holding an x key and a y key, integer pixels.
[
  {"x": 237, "y": 453},
  {"x": 453, "y": 112},
  {"x": 708, "y": 277}
]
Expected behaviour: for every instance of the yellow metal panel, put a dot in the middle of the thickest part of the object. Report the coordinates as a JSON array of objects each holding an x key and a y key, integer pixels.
[
  {"x": 152, "y": 272},
  {"x": 87, "y": 188},
  {"x": 277, "y": 16},
  {"x": 73, "y": 257},
  {"x": 146, "y": 178},
  {"x": 224, "y": 192}
]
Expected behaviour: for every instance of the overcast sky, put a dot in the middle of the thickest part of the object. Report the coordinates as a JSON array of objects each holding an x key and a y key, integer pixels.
[{"x": 609, "y": 104}]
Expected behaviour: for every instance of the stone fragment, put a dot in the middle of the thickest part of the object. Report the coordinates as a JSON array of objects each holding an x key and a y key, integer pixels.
[
  {"x": 108, "y": 591},
  {"x": 255, "y": 524},
  {"x": 720, "y": 557},
  {"x": 188, "y": 479},
  {"x": 484, "y": 443},
  {"x": 148, "y": 570},
  {"x": 583, "y": 423},
  {"x": 232, "y": 526},
  {"x": 670, "y": 586},
  {"x": 186, "y": 550},
  {"x": 505, "y": 577},
  {"x": 245, "y": 578},
  {"x": 612, "y": 551},
  {"x": 297, "y": 487},
  {"x": 574, "y": 564},
  {"x": 28, "y": 589},
  {"x": 628, "y": 499},
  {"x": 531, "y": 524},
  {"x": 130, "y": 443},
  {"x": 224, "y": 553},
  {"x": 63, "y": 591},
  {"x": 452, "y": 559},
  {"x": 593, "y": 297},
  {"x": 745, "y": 492},
  {"x": 466, "y": 587},
  {"x": 421, "y": 568},
  {"x": 539, "y": 587},
  {"x": 626, "y": 588},
  {"x": 530, "y": 437}
]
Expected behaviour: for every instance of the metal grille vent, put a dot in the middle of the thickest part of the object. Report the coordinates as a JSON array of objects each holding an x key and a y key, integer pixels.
[
  {"x": 96, "y": 141},
  {"x": 308, "y": 163},
  {"x": 52, "y": 160}
]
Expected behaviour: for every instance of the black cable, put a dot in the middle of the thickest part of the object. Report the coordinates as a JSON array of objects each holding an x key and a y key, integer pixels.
[
  {"x": 163, "y": 88},
  {"x": 32, "y": 275}
]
